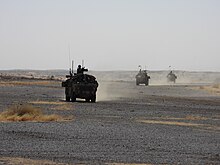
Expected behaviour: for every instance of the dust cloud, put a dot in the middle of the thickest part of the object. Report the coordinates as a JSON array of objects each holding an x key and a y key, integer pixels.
[
  {"x": 109, "y": 81},
  {"x": 107, "y": 91},
  {"x": 160, "y": 77}
]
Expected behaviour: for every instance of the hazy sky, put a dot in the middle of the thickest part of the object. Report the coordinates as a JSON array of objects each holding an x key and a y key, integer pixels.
[{"x": 110, "y": 34}]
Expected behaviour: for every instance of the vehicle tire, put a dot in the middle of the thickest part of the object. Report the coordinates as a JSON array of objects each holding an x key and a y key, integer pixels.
[
  {"x": 87, "y": 100},
  {"x": 137, "y": 83},
  {"x": 146, "y": 83},
  {"x": 73, "y": 97},
  {"x": 67, "y": 98},
  {"x": 93, "y": 99}
]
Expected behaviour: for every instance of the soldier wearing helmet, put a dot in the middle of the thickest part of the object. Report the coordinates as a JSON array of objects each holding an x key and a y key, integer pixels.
[{"x": 81, "y": 70}]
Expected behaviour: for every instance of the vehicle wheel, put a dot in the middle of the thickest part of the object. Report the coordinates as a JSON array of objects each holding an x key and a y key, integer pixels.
[
  {"x": 67, "y": 98},
  {"x": 87, "y": 100},
  {"x": 73, "y": 98},
  {"x": 93, "y": 99},
  {"x": 137, "y": 83}
]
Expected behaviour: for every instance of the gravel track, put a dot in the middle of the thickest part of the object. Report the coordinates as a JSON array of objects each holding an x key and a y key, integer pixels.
[{"x": 119, "y": 128}]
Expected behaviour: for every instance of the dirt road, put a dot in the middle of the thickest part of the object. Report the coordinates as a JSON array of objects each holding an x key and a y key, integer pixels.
[{"x": 172, "y": 124}]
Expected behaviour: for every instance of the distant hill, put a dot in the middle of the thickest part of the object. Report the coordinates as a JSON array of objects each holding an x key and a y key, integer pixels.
[{"x": 157, "y": 77}]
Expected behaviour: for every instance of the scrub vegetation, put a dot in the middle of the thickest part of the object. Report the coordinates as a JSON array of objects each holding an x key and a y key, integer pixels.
[{"x": 27, "y": 112}]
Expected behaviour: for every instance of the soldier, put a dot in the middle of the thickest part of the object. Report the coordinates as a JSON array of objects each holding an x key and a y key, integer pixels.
[
  {"x": 170, "y": 74},
  {"x": 79, "y": 69},
  {"x": 171, "y": 77}
]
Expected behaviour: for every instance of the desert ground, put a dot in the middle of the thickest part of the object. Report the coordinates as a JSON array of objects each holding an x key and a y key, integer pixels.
[{"x": 162, "y": 123}]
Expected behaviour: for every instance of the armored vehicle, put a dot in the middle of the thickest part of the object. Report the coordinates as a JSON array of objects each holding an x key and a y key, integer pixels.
[
  {"x": 142, "y": 78},
  {"x": 80, "y": 85},
  {"x": 171, "y": 77}
]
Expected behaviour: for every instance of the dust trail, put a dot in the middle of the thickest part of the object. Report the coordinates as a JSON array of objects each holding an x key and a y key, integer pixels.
[{"x": 106, "y": 92}]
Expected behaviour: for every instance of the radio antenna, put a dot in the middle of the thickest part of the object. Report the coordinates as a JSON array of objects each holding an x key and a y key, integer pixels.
[
  {"x": 69, "y": 57},
  {"x": 72, "y": 65},
  {"x": 82, "y": 63}
]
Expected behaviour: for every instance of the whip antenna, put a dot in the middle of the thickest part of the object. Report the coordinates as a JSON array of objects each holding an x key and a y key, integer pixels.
[
  {"x": 72, "y": 65},
  {"x": 82, "y": 63},
  {"x": 69, "y": 57}
]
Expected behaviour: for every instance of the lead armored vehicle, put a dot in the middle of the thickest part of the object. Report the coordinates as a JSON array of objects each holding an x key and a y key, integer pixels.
[
  {"x": 171, "y": 77},
  {"x": 80, "y": 85},
  {"x": 142, "y": 78}
]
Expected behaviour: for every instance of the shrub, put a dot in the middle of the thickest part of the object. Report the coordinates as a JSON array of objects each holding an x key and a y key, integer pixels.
[{"x": 27, "y": 113}]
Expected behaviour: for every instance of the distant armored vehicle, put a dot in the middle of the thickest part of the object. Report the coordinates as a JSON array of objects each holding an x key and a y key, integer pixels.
[
  {"x": 142, "y": 78},
  {"x": 80, "y": 85},
  {"x": 171, "y": 77}
]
